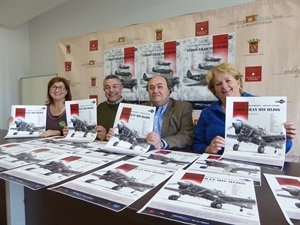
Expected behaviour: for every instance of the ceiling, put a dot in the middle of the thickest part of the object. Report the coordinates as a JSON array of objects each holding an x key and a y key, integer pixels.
[{"x": 16, "y": 12}]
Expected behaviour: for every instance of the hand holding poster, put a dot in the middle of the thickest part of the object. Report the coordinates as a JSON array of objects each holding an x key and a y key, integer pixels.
[
  {"x": 131, "y": 126},
  {"x": 255, "y": 129},
  {"x": 28, "y": 121}
]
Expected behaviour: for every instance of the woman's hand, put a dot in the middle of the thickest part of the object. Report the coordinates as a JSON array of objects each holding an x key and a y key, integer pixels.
[
  {"x": 216, "y": 145},
  {"x": 291, "y": 130}
]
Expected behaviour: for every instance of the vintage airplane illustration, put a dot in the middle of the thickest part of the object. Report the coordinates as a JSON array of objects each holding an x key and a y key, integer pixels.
[
  {"x": 228, "y": 167},
  {"x": 121, "y": 180},
  {"x": 256, "y": 135},
  {"x": 164, "y": 160},
  {"x": 56, "y": 167},
  {"x": 217, "y": 197},
  {"x": 205, "y": 67},
  {"x": 128, "y": 135},
  {"x": 201, "y": 78},
  {"x": 27, "y": 157},
  {"x": 22, "y": 125},
  {"x": 294, "y": 193},
  {"x": 129, "y": 83},
  {"x": 79, "y": 125},
  {"x": 163, "y": 68},
  {"x": 174, "y": 80},
  {"x": 212, "y": 59},
  {"x": 123, "y": 71}
]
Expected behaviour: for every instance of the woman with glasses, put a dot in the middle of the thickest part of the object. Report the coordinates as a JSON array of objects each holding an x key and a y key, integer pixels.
[{"x": 57, "y": 93}]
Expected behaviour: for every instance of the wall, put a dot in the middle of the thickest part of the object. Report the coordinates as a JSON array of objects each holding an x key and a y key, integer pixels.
[{"x": 29, "y": 50}]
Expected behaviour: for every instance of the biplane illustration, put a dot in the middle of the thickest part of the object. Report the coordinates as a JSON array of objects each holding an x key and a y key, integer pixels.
[
  {"x": 217, "y": 197},
  {"x": 129, "y": 135},
  {"x": 228, "y": 167},
  {"x": 121, "y": 180},
  {"x": 256, "y": 135},
  {"x": 79, "y": 125},
  {"x": 294, "y": 193},
  {"x": 22, "y": 125}
]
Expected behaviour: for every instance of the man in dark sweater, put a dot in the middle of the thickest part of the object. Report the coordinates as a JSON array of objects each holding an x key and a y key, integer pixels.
[{"x": 107, "y": 110}]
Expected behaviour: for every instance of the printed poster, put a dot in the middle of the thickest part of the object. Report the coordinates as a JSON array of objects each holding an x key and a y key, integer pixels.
[
  {"x": 29, "y": 121},
  {"x": 286, "y": 190},
  {"x": 131, "y": 126},
  {"x": 82, "y": 120},
  {"x": 255, "y": 130}
]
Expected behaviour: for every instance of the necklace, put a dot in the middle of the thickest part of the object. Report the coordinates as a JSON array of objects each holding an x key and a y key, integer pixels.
[{"x": 223, "y": 108}]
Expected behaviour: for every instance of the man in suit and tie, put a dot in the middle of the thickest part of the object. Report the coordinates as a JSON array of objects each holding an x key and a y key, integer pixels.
[{"x": 173, "y": 124}]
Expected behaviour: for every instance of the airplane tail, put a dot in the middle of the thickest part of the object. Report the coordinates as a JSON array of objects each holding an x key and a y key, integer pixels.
[
  {"x": 145, "y": 76},
  {"x": 189, "y": 74}
]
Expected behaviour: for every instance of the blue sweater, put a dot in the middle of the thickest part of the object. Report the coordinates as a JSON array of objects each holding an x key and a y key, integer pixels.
[{"x": 211, "y": 123}]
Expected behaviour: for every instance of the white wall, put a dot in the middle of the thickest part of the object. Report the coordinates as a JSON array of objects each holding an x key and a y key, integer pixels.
[
  {"x": 30, "y": 50},
  {"x": 14, "y": 64}
]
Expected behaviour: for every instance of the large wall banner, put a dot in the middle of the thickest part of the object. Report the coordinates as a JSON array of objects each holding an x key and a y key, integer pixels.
[{"x": 261, "y": 38}]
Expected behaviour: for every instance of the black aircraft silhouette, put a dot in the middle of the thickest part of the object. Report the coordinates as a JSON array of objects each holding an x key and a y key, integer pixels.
[
  {"x": 121, "y": 180},
  {"x": 123, "y": 71},
  {"x": 79, "y": 125},
  {"x": 25, "y": 157},
  {"x": 217, "y": 197},
  {"x": 228, "y": 167},
  {"x": 164, "y": 160},
  {"x": 246, "y": 133},
  {"x": 22, "y": 125},
  {"x": 128, "y": 135},
  {"x": 56, "y": 167},
  {"x": 129, "y": 83},
  {"x": 205, "y": 67},
  {"x": 162, "y": 63},
  {"x": 212, "y": 59},
  {"x": 163, "y": 68},
  {"x": 294, "y": 193},
  {"x": 174, "y": 80},
  {"x": 201, "y": 78}
]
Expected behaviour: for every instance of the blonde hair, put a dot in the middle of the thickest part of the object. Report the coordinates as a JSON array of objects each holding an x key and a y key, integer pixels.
[{"x": 224, "y": 67}]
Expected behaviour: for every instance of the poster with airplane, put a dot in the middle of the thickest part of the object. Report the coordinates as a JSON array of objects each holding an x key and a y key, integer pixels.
[
  {"x": 195, "y": 197},
  {"x": 28, "y": 121},
  {"x": 286, "y": 190},
  {"x": 255, "y": 130},
  {"x": 116, "y": 186},
  {"x": 82, "y": 120},
  {"x": 131, "y": 126}
]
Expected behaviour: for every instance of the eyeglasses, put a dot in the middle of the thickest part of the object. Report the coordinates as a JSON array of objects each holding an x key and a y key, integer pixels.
[{"x": 60, "y": 88}]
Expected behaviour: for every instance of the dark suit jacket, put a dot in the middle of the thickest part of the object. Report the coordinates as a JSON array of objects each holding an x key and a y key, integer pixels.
[{"x": 178, "y": 125}]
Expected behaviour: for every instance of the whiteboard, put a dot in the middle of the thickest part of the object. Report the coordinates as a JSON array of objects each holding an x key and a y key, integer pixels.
[{"x": 34, "y": 89}]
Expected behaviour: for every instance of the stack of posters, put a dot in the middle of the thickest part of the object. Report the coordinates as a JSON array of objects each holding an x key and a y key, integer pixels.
[
  {"x": 15, "y": 155},
  {"x": 82, "y": 120},
  {"x": 286, "y": 190},
  {"x": 131, "y": 126},
  {"x": 28, "y": 121},
  {"x": 171, "y": 160},
  {"x": 55, "y": 170},
  {"x": 255, "y": 130},
  {"x": 212, "y": 163},
  {"x": 195, "y": 197},
  {"x": 117, "y": 186}
]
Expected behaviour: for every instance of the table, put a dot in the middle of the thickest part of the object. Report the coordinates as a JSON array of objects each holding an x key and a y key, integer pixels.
[{"x": 48, "y": 207}]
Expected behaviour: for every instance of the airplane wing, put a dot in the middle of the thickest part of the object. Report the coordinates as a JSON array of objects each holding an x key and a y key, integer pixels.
[
  {"x": 232, "y": 136},
  {"x": 273, "y": 138}
]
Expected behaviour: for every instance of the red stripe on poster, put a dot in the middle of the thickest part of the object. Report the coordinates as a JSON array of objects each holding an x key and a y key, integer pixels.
[
  {"x": 74, "y": 109},
  {"x": 129, "y": 58},
  {"x": 20, "y": 113},
  {"x": 125, "y": 114},
  {"x": 220, "y": 46},
  {"x": 241, "y": 109},
  {"x": 170, "y": 54}
]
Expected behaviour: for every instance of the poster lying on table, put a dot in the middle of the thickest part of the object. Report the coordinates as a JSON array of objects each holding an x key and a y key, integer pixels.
[
  {"x": 14, "y": 155},
  {"x": 28, "y": 121},
  {"x": 82, "y": 120},
  {"x": 52, "y": 171},
  {"x": 255, "y": 130},
  {"x": 213, "y": 163},
  {"x": 195, "y": 197},
  {"x": 131, "y": 126},
  {"x": 286, "y": 190},
  {"x": 168, "y": 159},
  {"x": 115, "y": 187}
]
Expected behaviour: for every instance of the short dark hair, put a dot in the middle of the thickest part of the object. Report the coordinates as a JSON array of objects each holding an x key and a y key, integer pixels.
[
  {"x": 112, "y": 76},
  {"x": 168, "y": 82}
]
